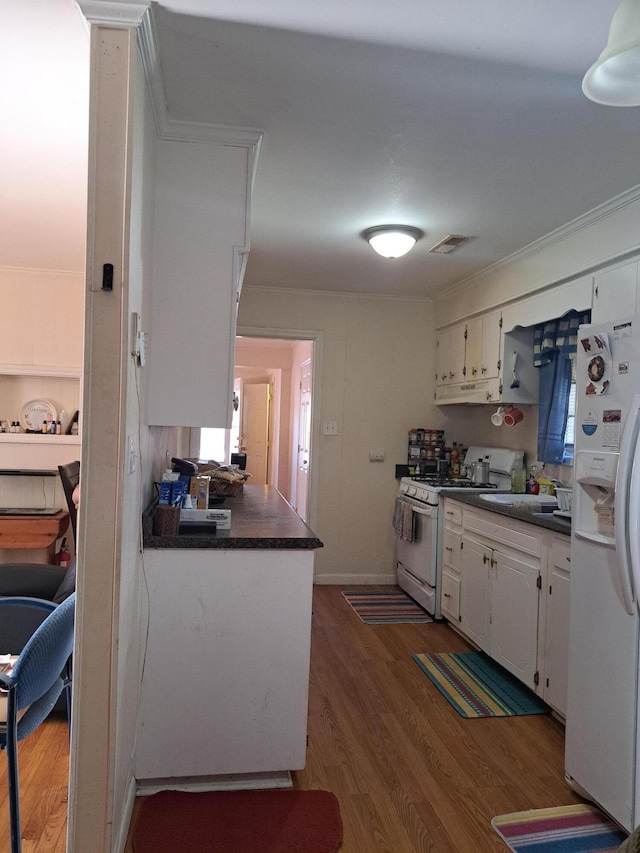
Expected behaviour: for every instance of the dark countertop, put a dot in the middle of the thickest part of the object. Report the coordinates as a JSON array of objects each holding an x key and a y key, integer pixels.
[
  {"x": 260, "y": 518},
  {"x": 547, "y": 520}
]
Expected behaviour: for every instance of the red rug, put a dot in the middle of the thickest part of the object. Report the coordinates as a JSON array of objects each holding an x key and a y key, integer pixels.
[{"x": 274, "y": 821}]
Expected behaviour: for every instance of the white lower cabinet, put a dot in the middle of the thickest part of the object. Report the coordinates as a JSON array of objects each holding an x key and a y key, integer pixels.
[
  {"x": 474, "y": 592},
  {"x": 507, "y": 590},
  {"x": 556, "y": 644},
  {"x": 500, "y": 602},
  {"x": 515, "y": 606},
  {"x": 451, "y": 547}
]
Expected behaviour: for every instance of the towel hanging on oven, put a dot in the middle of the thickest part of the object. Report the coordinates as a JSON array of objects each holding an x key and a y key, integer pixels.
[{"x": 403, "y": 520}]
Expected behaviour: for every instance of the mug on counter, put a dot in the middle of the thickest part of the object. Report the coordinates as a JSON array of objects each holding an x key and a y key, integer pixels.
[{"x": 512, "y": 416}]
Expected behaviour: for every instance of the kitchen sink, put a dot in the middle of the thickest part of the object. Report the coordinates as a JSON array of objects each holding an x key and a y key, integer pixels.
[{"x": 509, "y": 500}]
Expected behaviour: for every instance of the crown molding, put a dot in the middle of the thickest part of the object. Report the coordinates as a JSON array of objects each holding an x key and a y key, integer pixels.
[
  {"x": 117, "y": 14},
  {"x": 185, "y": 131},
  {"x": 459, "y": 289}
]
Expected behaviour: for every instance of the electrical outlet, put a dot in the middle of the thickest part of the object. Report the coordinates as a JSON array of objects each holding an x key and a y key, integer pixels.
[
  {"x": 376, "y": 456},
  {"x": 330, "y": 427}
]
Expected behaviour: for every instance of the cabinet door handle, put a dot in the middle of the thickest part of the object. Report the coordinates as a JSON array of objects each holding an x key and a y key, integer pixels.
[
  {"x": 485, "y": 559},
  {"x": 446, "y": 595},
  {"x": 448, "y": 548}
]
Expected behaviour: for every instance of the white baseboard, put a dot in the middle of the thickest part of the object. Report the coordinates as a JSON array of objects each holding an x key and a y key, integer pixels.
[
  {"x": 356, "y": 580},
  {"x": 229, "y": 782}
]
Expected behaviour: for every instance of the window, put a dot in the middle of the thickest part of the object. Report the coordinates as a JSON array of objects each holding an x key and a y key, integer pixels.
[
  {"x": 570, "y": 429},
  {"x": 555, "y": 344}
]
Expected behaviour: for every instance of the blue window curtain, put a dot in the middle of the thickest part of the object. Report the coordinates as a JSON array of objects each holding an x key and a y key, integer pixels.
[{"x": 553, "y": 344}]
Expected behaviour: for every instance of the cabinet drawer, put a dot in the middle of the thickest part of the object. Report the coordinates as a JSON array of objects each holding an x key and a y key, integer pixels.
[
  {"x": 515, "y": 534},
  {"x": 451, "y": 548},
  {"x": 561, "y": 553},
  {"x": 452, "y": 513},
  {"x": 450, "y": 603}
]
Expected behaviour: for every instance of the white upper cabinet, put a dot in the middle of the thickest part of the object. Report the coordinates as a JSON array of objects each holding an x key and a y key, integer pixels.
[
  {"x": 199, "y": 255},
  {"x": 482, "y": 354},
  {"x": 615, "y": 292},
  {"x": 450, "y": 360},
  {"x": 468, "y": 354}
]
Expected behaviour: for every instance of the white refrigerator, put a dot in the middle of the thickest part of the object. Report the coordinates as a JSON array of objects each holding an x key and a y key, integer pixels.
[{"x": 602, "y": 727}]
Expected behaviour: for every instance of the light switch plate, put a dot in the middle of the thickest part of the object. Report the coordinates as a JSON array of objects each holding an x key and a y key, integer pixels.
[{"x": 330, "y": 427}]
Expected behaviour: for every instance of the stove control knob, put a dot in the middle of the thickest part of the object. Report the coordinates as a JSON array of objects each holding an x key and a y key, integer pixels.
[{"x": 412, "y": 491}]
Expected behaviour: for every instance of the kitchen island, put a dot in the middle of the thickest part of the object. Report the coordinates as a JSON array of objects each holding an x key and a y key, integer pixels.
[
  {"x": 260, "y": 518},
  {"x": 225, "y": 685}
]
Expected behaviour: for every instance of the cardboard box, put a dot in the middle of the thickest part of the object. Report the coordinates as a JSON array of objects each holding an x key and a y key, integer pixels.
[
  {"x": 222, "y": 517},
  {"x": 165, "y": 493}
]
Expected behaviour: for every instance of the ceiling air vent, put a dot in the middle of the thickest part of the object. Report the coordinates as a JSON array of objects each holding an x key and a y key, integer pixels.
[{"x": 453, "y": 241}]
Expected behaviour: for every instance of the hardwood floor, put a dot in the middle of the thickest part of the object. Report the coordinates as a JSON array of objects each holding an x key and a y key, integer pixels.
[
  {"x": 43, "y": 760},
  {"x": 411, "y": 775}
]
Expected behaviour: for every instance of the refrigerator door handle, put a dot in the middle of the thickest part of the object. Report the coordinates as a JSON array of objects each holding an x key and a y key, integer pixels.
[
  {"x": 632, "y": 529},
  {"x": 627, "y": 494}
]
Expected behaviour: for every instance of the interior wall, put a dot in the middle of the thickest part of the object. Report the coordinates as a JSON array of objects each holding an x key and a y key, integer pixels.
[
  {"x": 377, "y": 381},
  {"x": 134, "y": 486}
]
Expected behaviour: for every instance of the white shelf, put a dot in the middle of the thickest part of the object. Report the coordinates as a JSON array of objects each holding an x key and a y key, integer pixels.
[
  {"x": 40, "y": 370},
  {"x": 34, "y": 438}
]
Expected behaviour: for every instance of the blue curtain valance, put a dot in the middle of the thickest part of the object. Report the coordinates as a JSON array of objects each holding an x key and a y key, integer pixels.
[{"x": 560, "y": 335}]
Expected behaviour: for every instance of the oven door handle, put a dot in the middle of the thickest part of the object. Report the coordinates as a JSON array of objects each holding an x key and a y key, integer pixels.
[{"x": 422, "y": 509}]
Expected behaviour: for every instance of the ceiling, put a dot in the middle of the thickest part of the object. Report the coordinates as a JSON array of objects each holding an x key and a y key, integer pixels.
[{"x": 450, "y": 115}]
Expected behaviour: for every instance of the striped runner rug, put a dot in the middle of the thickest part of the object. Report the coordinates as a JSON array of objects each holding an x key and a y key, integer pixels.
[
  {"x": 386, "y": 607},
  {"x": 477, "y": 686},
  {"x": 566, "y": 829}
]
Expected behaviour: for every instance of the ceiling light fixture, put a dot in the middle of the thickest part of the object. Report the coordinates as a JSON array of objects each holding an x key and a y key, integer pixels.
[
  {"x": 392, "y": 241},
  {"x": 614, "y": 79}
]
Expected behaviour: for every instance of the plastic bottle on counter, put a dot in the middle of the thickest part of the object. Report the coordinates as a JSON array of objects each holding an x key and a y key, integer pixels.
[
  {"x": 455, "y": 460},
  {"x": 518, "y": 477}
]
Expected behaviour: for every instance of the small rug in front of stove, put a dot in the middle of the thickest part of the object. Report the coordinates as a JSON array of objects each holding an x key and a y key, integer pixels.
[
  {"x": 386, "y": 607},
  {"x": 564, "y": 829},
  {"x": 477, "y": 686}
]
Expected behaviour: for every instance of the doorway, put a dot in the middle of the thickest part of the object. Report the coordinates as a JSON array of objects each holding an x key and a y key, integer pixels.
[{"x": 275, "y": 381}]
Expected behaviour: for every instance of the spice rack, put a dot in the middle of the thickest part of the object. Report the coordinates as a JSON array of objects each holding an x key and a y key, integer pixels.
[{"x": 424, "y": 444}]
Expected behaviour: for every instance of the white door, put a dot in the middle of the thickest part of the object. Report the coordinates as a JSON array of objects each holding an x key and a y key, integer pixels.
[
  {"x": 474, "y": 592},
  {"x": 515, "y": 601},
  {"x": 304, "y": 442},
  {"x": 556, "y": 643},
  {"x": 255, "y": 431}
]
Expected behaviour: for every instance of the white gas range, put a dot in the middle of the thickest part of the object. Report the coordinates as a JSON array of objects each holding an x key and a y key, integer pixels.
[{"x": 419, "y": 543}]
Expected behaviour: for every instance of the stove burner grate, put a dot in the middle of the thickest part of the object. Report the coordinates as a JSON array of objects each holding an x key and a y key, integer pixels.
[{"x": 452, "y": 483}]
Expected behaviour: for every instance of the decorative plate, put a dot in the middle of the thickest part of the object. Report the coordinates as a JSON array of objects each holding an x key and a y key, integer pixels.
[{"x": 33, "y": 413}]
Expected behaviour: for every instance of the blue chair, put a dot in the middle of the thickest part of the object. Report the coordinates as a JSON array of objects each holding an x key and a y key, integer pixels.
[{"x": 36, "y": 681}]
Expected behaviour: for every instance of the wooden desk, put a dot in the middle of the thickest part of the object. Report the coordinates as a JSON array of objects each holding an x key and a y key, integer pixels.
[{"x": 33, "y": 531}]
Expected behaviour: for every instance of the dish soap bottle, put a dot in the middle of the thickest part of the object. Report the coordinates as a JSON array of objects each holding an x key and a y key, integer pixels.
[{"x": 518, "y": 477}]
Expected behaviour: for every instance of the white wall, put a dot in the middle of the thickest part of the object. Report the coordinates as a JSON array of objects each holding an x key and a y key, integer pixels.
[{"x": 377, "y": 382}]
